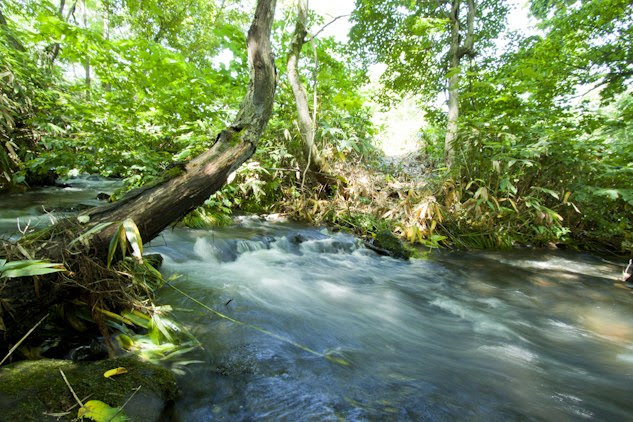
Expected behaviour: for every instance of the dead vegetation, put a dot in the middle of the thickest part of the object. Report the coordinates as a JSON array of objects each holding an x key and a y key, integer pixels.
[
  {"x": 85, "y": 282},
  {"x": 394, "y": 196}
]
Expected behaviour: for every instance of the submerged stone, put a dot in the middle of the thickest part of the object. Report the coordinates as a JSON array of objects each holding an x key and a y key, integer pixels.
[{"x": 31, "y": 389}]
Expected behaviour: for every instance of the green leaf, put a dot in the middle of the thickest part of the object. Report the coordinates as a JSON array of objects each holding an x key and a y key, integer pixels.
[
  {"x": 548, "y": 191},
  {"x": 114, "y": 243},
  {"x": 28, "y": 268},
  {"x": 137, "y": 318},
  {"x": 99, "y": 411},
  {"x": 608, "y": 193},
  {"x": 122, "y": 241},
  {"x": 163, "y": 326},
  {"x": 134, "y": 236}
]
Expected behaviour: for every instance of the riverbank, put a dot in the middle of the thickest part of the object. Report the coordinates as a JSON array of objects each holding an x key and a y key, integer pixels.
[
  {"x": 324, "y": 290},
  {"x": 429, "y": 208}
]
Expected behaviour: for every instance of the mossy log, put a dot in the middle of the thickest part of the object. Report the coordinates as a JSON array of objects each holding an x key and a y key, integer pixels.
[{"x": 386, "y": 243}]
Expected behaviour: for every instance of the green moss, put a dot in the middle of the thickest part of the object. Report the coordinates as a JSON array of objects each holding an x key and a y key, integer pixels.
[
  {"x": 202, "y": 218},
  {"x": 388, "y": 241},
  {"x": 172, "y": 172},
  {"x": 30, "y": 388}
]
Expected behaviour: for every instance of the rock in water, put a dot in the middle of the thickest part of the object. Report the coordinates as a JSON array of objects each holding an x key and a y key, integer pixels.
[
  {"x": 388, "y": 242},
  {"x": 29, "y": 389}
]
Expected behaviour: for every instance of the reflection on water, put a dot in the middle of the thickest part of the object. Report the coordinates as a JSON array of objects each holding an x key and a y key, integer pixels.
[
  {"x": 487, "y": 336},
  {"x": 40, "y": 207},
  {"x": 468, "y": 336}
]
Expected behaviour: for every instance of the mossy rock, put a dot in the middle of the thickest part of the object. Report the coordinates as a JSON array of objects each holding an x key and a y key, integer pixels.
[
  {"x": 30, "y": 389},
  {"x": 388, "y": 242}
]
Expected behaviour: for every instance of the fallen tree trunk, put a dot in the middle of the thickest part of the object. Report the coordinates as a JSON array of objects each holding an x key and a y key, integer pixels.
[{"x": 152, "y": 207}]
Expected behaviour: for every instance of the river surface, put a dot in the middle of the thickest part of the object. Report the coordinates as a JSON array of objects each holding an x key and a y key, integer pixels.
[
  {"x": 536, "y": 335},
  {"x": 477, "y": 336},
  {"x": 39, "y": 207}
]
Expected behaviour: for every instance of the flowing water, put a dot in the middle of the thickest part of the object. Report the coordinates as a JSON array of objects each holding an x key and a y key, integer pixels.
[
  {"x": 40, "y": 207},
  {"x": 484, "y": 336},
  {"x": 537, "y": 335}
]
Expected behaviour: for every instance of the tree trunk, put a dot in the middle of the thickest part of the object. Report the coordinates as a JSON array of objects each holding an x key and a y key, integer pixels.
[
  {"x": 107, "y": 87},
  {"x": 307, "y": 125},
  {"x": 456, "y": 53},
  {"x": 453, "y": 112},
  {"x": 88, "y": 80},
  {"x": 155, "y": 207},
  {"x": 453, "y": 87}
]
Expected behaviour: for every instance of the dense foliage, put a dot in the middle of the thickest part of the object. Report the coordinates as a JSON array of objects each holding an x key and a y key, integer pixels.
[
  {"x": 543, "y": 148},
  {"x": 128, "y": 88}
]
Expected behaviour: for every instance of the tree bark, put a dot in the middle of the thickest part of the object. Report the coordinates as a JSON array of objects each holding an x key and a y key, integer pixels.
[
  {"x": 457, "y": 51},
  {"x": 307, "y": 125}
]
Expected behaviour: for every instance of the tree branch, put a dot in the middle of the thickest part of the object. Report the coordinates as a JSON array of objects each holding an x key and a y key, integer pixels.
[
  {"x": 467, "y": 48},
  {"x": 325, "y": 26},
  {"x": 307, "y": 125},
  {"x": 55, "y": 49}
]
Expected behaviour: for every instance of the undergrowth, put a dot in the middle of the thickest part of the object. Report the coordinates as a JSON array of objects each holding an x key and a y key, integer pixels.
[
  {"x": 113, "y": 300},
  {"x": 426, "y": 208}
]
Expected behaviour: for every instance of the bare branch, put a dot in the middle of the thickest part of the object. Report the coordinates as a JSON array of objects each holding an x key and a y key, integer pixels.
[{"x": 325, "y": 26}]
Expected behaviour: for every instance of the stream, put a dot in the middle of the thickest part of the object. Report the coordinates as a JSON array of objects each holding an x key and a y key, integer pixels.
[{"x": 522, "y": 334}]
